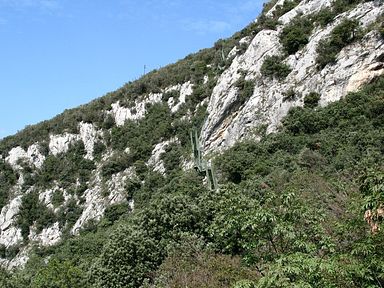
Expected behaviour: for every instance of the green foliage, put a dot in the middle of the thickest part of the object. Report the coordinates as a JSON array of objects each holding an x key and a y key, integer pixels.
[
  {"x": 324, "y": 16},
  {"x": 328, "y": 14},
  {"x": 8, "y": 178},
  {"x": 265, "y": 22},
  {"x": 135, "y": 250},
  {"x": 245, "y": 89},
  {"x": 131, "y": 186},
  {"x": 296, "y": 34},
  {"x": 266, "y": 226},
  {"x": 66, "y": 168},
  {"x": 98, "y": 150},
  {"x": 380, "y": 26},
  {"x": 127, "y": 259},
  {"x": 114, "y": 212},
  {"x": 311, "y": 100},
  {"x": 69, "y": 213},
  {"x": 59, "y": 274},
  {"x": 9, "y": 252},
  {"x": 57, "y": 198},
  {"x": 32, "y": 211},
  {"x": 118, "y": 162},
  {"x": 142, "y": 135},
  {"x": 273, "y": 67},
  {"x": 290, "y": 95},
  {"x": 342, "y": 35},
  {"x": 287, "y": 6},
  {"x": 191, "y": 264},
  {"x": 288, "y": 212},
  {"x": 372, "y": 187},
  {"x": 303, "y": 270},
  {"x": 171, "y": 94},
  {"x": 171, "y": 157}
]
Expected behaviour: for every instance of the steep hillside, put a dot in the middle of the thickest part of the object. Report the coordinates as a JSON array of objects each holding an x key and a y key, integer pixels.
[{"x": 290, "y": 112}]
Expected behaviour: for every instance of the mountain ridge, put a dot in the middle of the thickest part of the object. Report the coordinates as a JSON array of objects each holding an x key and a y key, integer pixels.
[{"x": 66, "y": 176}]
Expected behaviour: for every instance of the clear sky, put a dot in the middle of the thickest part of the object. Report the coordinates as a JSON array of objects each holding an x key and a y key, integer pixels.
[{"x": 58, "y": 54}]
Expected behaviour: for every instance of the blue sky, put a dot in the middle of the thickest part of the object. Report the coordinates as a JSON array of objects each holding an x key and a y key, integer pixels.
[{"x": 58, "y": 54}]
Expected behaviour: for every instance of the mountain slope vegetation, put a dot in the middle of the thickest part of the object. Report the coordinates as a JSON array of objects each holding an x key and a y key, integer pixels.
[
  {"x": 289, "y": 211},
  {"x": 105, "y": 195}
]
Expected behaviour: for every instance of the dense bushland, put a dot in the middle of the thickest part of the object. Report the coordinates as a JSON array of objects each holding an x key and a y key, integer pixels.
[{"x": 290, "y": 207}]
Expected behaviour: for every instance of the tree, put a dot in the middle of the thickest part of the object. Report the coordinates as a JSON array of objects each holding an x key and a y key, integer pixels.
[{"x": 59, "y": 274}]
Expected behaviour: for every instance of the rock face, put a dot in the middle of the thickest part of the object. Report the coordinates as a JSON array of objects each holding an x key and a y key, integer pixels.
[
  {"x": 60, "y": 143},
  {"x": 185, "y": 90},
  {"x": 9, "y": 234},
  {"x": 121, "y": 114},
  {"x": 49, "y": 236},
  {"x": 356, "y": 64},
  {"x": 32, "y": 155}
]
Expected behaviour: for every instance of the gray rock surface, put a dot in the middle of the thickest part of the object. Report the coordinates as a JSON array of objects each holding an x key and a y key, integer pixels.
[{"x": 356, "y": 64}]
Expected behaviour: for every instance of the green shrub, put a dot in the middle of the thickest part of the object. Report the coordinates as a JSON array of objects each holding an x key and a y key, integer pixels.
[
  {"x": 381, "y": 31},
  {"x": 175, "y": 94},
  {"x": 57, "y": 198},
  {"x": 324, "y": 16},
  {"x": 9, "y": 252},
  {"x": 114, "y": 212},
  {"x": 342, "y": 35},
  {"x": 326, "y": 53},
  {"x": 59, "y": 274},
  {"x": 267, "y": 22},
  {"x": 295, "y": 35},
  {"x": 289, "y": 95},
  {"x": 98, "y": 150},
  {"x": 66, "y": 168},
  {"x": 245, "y": 89},
  {"x": 264, "y": 22},
  {"x": 69, "y": 214},
  {"x": 140, "y": 168},
  {"x": 171, "y": 157},
  {"x": 140, "y": 136},
  {"x": 190, "y": 264},
  {"x": 133, "y": 251},
  {"x": 32, "y": 211},
  {"x": 8, "y": 178},
  {"x": 273, "y": 67},
  {"x": 287, "y": 6},
  {"x": 108, "y": 122},
  {"x": 117, "y": 163},
  {"x": 311, "y": 100},
  {"x": 131, "y": 186}
]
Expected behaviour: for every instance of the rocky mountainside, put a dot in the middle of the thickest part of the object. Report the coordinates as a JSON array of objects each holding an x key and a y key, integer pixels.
[{"x": 62, "y": 176}]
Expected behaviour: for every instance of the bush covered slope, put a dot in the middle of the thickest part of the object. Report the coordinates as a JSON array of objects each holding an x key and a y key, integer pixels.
[
  {"x": 105, "y": 195},
  {"x": 289, "y": 211}
]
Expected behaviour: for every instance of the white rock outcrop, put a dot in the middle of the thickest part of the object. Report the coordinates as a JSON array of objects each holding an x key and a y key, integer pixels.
[
  {"x": 88, "y": 135},
  {"x": 60, "y": 143},
  {"x": 356, "y": 64},
  {"x": 96, "y": 202},
  {"x": 122, "y": 114},
  {"x": 9, "y": 234},
  {"x": 49, "y": 236},
  {"x": 185, "y": 90},
  {"x": 32, "y": 155}
]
